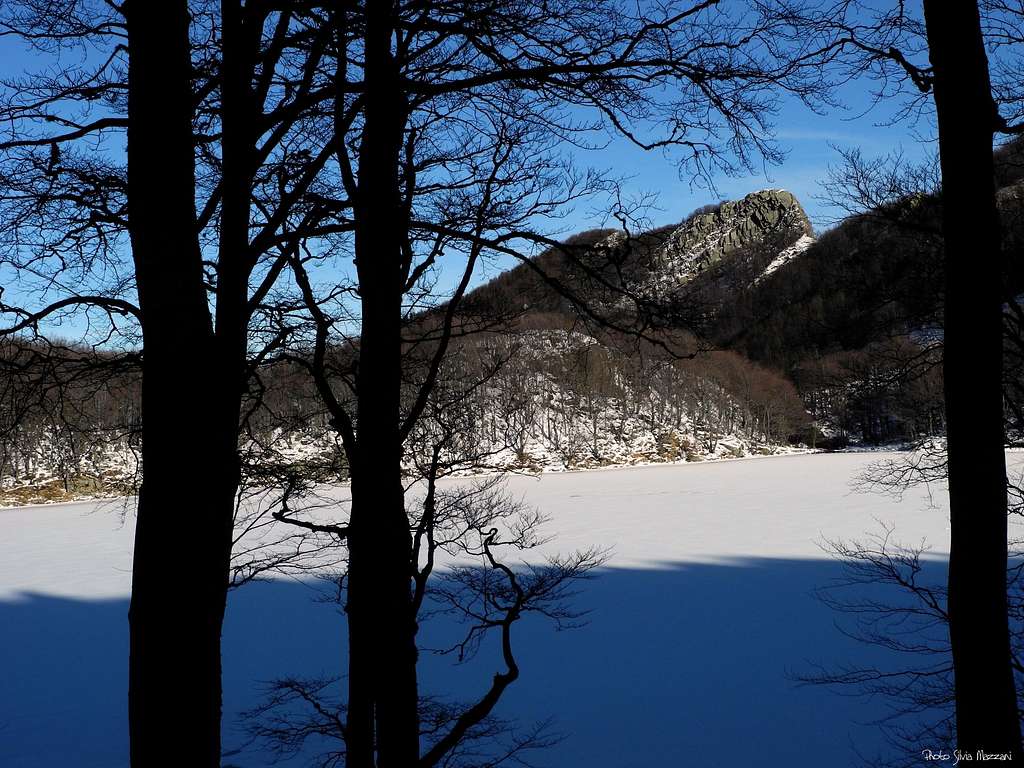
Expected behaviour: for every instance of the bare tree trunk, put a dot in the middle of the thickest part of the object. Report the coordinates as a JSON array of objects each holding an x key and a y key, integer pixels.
[
  {"x": 383, "y": 694},
  {"x": 239, "y": 46},
  {"x": 183, "y": 536},
  {"x": 986, "y": 703}
]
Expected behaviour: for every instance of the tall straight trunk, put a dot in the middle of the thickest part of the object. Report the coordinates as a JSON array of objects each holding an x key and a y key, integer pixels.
[
  {"x": 383, "y": 692},
  {"x": 986, "y": 702},
  {"x": 234, "y": 261},
  {"x": 183, "y": 535}
]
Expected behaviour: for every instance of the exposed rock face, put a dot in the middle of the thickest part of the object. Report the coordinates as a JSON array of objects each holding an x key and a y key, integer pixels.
[
  {"x": 716, "y": 251},
  {"x": 1010, "y": 199},
  {"x": 707, "y": 239},
  {"x": 710, "y": 237}
]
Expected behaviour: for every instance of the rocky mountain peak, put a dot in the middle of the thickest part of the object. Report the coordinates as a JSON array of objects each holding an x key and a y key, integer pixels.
[
  {"x": 707, "y": 238},
  {"x": 710, "y": 237},
  {"x": 722, "y": 247}
]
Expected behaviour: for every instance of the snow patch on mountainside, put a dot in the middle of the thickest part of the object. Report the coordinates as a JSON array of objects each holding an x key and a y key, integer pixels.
[
  {"x": 567, "y": 402},
  {"x": 50, "y": 470},
  {"x": 786, "y": 255}
]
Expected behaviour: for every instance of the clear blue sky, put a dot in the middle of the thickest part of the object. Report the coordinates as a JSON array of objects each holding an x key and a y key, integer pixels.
[
  {"x": 804, "y": 136},
  {"x": 808, "y": 139}
]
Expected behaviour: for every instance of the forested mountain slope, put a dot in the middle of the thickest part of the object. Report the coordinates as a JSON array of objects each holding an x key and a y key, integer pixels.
[
  {"x": 753, "y": 334},
  {"x": 852, "y": 319}
]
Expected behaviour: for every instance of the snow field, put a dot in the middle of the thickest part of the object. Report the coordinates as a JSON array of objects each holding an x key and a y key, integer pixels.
[{"x": 695, "y": 626}]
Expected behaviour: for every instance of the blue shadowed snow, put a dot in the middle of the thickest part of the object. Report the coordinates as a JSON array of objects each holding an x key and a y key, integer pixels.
[{"x": 686, "y": 664}]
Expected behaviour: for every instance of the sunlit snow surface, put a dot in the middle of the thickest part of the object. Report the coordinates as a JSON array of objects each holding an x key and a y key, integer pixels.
[
  {"x": 699, "y": 620},
  {"x": 787, "y": 255}
]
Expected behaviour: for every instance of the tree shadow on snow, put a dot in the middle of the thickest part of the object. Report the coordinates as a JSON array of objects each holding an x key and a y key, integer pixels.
[{"x": 687, "y": 664}]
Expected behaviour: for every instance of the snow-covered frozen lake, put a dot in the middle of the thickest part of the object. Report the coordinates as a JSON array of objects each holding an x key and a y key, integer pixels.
[{"x": 697, "y": 623}]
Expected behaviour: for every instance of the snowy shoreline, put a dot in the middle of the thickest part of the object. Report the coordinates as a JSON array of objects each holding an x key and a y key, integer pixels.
[{"x": 525, "y": 472}]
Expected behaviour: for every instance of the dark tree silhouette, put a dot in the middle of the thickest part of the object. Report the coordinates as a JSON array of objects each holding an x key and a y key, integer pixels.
[
  {"x": 406, "y": 135},
  {"x": 473, "y": 529},
  {"x": 175, "y": 621},
  {"x": 889, "y": 44},
  {"x": 986, "y": 699},
  {"x": 451, "y": 123},
  {"x": 212, "y": 98}
]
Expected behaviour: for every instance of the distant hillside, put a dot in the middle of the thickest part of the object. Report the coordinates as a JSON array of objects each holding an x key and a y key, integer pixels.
[
  {"x": 673, "y": 268},
  {"x": 869, "y": 278},
  {"x": 851, "y": 318},
  {"x": 794, "y": 339}
]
